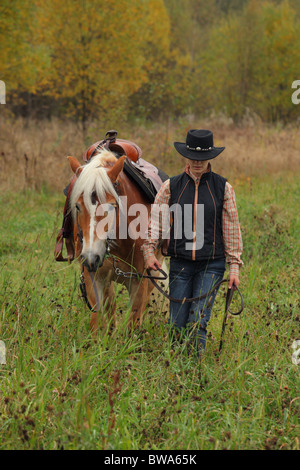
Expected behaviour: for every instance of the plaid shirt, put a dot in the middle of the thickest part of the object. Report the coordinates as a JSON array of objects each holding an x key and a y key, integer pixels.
[{"x": 232, "y": 238}]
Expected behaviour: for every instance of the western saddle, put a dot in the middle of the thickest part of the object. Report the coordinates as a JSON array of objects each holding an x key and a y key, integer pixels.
[{"x": 145, "y": 175}]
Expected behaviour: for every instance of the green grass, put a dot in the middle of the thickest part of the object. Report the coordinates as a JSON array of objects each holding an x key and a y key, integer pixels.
[{"x": 61, "y": 390}]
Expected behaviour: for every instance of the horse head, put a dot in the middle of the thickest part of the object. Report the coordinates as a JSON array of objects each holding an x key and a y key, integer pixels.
[{"x": 94, "y": 203}]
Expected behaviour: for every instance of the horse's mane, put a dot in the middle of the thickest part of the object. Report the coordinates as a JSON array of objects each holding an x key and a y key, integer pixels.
[{"x": 93, "y": 178}]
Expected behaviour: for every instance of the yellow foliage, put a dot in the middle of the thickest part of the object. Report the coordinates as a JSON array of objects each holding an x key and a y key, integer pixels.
[{"x": 94, "y": 58}]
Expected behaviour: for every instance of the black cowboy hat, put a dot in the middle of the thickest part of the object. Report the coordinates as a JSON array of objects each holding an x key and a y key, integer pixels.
[{"x": 199, "y": 145}]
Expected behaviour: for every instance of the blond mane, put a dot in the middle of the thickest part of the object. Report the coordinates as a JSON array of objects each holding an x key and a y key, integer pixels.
[{"x": 93, "y": 178}]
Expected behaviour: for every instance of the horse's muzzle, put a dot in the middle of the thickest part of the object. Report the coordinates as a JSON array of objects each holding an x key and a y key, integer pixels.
[{"x": 92, "y": 262}]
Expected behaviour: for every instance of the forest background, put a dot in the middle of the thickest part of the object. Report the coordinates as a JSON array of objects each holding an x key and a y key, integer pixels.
[
  {"x": 150, "y": 69},
  {"x": 146, "y": 59}
]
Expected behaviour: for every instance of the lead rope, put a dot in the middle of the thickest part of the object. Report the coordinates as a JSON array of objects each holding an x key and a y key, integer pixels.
[
  {"x": 153, "y": 279},
  {"x": 229, "y": 295}
]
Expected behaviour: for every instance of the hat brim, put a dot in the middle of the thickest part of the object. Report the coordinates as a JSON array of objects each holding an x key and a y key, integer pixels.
[{"x": 197, "y": 155}]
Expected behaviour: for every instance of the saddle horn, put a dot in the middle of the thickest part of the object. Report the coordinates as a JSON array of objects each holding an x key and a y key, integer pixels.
[{"x": 111, "y": 136}]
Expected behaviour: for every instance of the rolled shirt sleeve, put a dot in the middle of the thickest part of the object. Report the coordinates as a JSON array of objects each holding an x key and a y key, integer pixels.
[
  {"x": 154, "y": 233},
  {"x": 232, "y": 237}
]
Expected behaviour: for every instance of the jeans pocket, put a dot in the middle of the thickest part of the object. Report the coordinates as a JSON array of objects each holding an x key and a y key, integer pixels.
[
  {"x": 179, "y": 268},
  {"x": 217, "y": 266}
]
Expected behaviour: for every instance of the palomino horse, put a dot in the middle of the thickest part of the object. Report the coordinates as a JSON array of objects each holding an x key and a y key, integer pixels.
[{"x": 96, "y": 198}]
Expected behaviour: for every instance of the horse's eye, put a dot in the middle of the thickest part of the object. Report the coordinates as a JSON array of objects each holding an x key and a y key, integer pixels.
[{"x": 77, "y": 207}]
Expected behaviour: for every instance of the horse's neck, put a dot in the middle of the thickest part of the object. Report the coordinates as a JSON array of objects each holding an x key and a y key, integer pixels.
[{"x": 132, "y": 195}]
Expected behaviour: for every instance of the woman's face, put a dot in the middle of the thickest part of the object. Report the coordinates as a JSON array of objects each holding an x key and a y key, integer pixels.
[{"x": 198, "y": 167}]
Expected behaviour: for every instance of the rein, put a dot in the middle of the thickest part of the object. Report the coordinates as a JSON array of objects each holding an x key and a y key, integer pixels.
[{"x": 153, "y": 279}]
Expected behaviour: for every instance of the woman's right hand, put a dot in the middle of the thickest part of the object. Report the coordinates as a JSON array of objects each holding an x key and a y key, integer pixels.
[{"x": 152, "y": 263}]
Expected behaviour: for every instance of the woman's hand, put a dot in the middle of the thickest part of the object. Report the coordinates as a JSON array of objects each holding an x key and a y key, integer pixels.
[
  {"x": 152, "y": 263},
  {"x": 233, "y": 279}
]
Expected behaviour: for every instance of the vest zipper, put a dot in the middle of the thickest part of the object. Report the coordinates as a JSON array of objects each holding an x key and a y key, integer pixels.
[
  {"x": 214, "y": 243},
  {"x": 195, "y": 219}
]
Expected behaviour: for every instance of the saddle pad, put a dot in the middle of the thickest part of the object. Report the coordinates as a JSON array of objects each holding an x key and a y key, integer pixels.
[{"x": 146, "y": 176}]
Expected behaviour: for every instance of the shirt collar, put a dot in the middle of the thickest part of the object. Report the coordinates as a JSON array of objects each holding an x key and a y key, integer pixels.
[{"x": 188, "y": 171}]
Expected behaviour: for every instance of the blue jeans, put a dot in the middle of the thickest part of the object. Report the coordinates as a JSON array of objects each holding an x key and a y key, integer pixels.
[{"x": 192, "y": 279}]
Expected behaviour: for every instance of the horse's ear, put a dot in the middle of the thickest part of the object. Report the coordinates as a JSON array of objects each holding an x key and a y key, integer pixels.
[
  {"x": 113, "y": 172},
  {"x": 75, "y": 165}
]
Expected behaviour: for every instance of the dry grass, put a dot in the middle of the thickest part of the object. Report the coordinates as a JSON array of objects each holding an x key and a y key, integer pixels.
[{"x": 33, "y": 154}]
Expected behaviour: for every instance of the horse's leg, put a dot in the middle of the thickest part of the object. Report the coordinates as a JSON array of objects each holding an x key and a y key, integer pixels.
[
  {"x": 109, "y": 305},
  {"x": 139, "y": 295},
  {"x": 101, "y": 297}
]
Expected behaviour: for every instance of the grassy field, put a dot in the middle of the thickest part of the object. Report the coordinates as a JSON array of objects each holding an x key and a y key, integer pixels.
[{"x": 61, "y": 390}]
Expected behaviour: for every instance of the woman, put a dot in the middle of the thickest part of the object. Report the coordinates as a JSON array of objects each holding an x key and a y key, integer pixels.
[{"x": 204, "y": 235}]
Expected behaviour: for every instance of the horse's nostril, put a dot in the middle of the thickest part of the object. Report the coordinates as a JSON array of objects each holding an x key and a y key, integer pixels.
[
  {"x": 91, "y": 262},
  {"x": 95, "y": 263}
]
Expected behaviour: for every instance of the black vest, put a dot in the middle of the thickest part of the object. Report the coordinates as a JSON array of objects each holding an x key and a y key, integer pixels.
[{"x": 205, "y": 219}]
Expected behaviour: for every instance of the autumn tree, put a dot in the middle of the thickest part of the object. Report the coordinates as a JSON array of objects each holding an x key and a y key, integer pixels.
[
  {"x": 88, "y": 59},
  {"x": 190, "y": 21},
  {"x": 23, "y": 59},
  {"x": 97, "y": 53},
  {"x": 280, "y": 58},
  {"x": 153, "y": 96},
  {"x": 230, "y": 6},
  {"x": 251, "y": 62}
]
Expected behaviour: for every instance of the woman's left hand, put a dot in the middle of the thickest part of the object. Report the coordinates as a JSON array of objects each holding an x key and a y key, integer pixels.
[{"x": 233, "y": 279}]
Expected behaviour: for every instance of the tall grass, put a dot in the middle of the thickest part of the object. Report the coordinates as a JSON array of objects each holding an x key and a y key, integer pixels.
[
  {"x": 59, "y": 389},
  {"x": 33, "y": 153}
]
